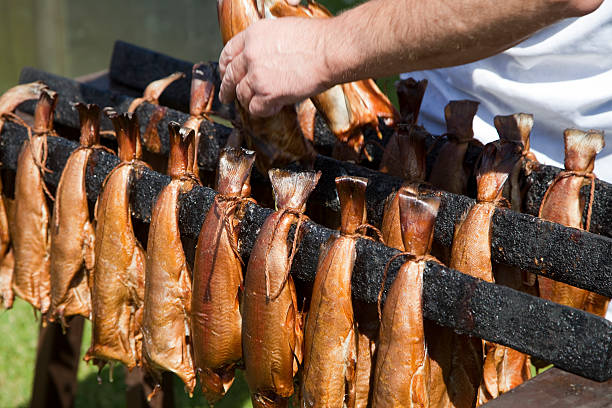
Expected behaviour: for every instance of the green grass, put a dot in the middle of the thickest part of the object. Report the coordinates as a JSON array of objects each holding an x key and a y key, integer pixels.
[{"x": 19, "y": 330}]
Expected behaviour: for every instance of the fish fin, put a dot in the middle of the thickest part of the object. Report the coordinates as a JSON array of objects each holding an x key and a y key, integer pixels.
[
  {"x": 410, "y": 94},
  {"x": 581, "y": 148},
  {"x": 459, "y": 117},
  {"x": 234, "y": 171},
  {"x": 515, "y": 128},
  {"x": 291, "y": 189},
  {"x": 351, "y": 192},
  {"x": 417, "y": 220}
]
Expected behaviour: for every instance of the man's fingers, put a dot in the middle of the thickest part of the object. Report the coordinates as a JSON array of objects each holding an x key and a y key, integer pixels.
[
  {"x": 244, "y": 92},
  {"x": 259, "y": 106},
  {"x": 294, "y": 2},
  {"x": 233, "y": 48},
  {"x": 234, "y": 73}
]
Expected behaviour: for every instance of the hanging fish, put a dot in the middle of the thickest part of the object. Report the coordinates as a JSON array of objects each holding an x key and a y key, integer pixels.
[
  {"x": 9, "y": 101},
  {"x": 217, "y": 278},
  {"x": 118, "y": 280},
  {"x": 278, "y": 139},
  {"x": 167, "y": 301},
  {"x": 271, "y": 322},
  {"x": 449, "y": 172},
  {"x": 564, "y": 204},
  {"x": 151, "y": 94},
  {"x": 72, "y": 231},
  {"x": 31, "y": 280},
  {"x": 402, "y": 374},
  {"x": 330, "y": 336},
  {"x": 504, "y": 368}
]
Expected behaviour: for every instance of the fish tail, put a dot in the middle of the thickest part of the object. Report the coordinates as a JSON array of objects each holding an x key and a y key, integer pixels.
[
  {"x": 128, "y": 134},
  {"x": 89, "y": 116},
  {"x": 291, "y": 189},
  {"x": 181, "y": 141},
  {"x": 515, "y": 128},
  {"x": 581, "y": 148},
  {"x": 202, "y": 89},
  {"x": 234, "y": 171},
  {"x": 459, "y": 117},
  {"x": 410, "y": 95},
  {"x": 417, "y": 220},
  {"x": 351, "y": 192}
]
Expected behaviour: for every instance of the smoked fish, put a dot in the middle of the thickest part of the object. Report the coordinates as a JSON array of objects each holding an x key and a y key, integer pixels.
[
  {"x": 72, "y": 231},
  {"x": 271, "y": 322},
  {"x": 31, "y": 280},
  {"x": 504, "y": 368},
  {"x": 167, "y": 297},
  {"x": 216, "y": 321},
  {"x": 9, "y": 101},
  {"x": 564, "y": 204},
  {"x": 330, "y": 335},
  {"x": 449, "y": 173},
  {"x": 118, "y": 280},
  {"x": 402, "y": 373}
]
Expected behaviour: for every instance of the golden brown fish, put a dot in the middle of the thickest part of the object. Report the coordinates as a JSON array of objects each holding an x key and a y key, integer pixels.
[
  {"x": 167, "y": 303},
  {"x": 31, "y": 280},
  {"x": 216, "y": 322},
  {"x": 564, "y": 204},
  {"x": 330, "y": 337},
  {"x": 402, "y": 374},
  {"x": 449, "y": 172},
  {"x": 72, "y": 232},
  {"x": 504, "y": 368},
  {"x": 151, "y": 94},
  {"x": 9, "y": 101},
  {"x": 271, "y": 322},
  {"x": 118, "y": 283},
  {"x": 278, "y": 139}
]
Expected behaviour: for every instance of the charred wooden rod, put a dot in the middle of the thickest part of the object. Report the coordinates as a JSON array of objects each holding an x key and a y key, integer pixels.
[
  {"x": 71, "y": 91},
  {"x": 135, "y": 67},
  {"x": 565, "y": 254},
  {"x": 571, "y": 339}
]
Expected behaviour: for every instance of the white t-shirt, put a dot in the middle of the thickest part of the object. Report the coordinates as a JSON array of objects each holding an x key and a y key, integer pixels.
[{"x": 562, "y": 75}]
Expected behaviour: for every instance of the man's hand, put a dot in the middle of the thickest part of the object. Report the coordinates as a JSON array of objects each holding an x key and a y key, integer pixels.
[{"x": 274, "y": 63}]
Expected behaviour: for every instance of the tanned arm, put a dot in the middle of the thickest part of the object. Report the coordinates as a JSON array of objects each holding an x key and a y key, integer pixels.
[{"x": 279, "y": 62}]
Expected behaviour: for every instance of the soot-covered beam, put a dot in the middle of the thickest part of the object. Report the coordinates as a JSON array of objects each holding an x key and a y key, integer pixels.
[
  {"x": 136, "y": 66},
  {"x": 71, "y": 91},
  {"x": 565, "y": 254},
  {"x": 571, "y": 339}
]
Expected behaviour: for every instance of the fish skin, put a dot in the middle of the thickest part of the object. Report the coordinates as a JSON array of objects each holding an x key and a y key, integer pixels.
[
  {"x": 271, "y": 322},
  {"x": 118, "y": 280},
  {"x": 564, "y": 204},
  {"x": 216, "y": 321},
  {"x": 31, "y": 280},
  {"x": 167, "y": 297},
  {"x": 330, "y": 335}
]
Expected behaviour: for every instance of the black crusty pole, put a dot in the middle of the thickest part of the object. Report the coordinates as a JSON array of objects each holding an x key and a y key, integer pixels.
[
  {"x": 71, "y": 91},
  {"x": 565, "y": 254},
  {"x": 135, "y": 67},
  {"x": 571, "y": 339}
]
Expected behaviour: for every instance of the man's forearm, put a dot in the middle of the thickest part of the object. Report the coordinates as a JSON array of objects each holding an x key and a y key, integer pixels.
[{"x": 385, "y": 37}]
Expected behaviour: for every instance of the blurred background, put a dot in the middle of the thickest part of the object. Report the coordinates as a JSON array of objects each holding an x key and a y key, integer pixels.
[{"x": 72, "y": 38}]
